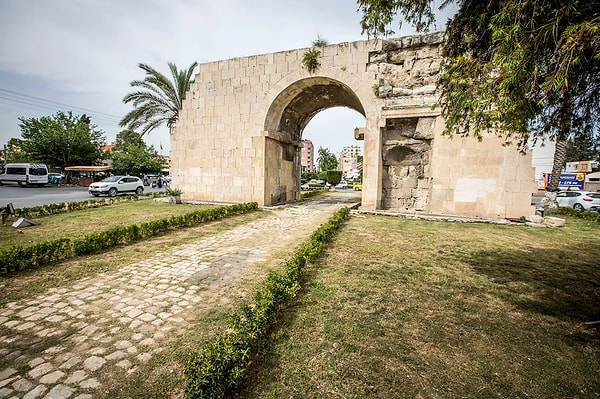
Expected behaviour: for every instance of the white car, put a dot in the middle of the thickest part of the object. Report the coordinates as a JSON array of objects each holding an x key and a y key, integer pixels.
[
  {"x": 579, "y": 200},
  {"x": 115, "y": 185},
  {"x": 342, "y": 184}
]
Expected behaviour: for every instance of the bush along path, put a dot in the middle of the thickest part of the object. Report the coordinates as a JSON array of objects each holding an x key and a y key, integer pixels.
[
  {"x": 218, "y": 367},
  {"x": 103, "y": 336},
  {"x": 64, "y": 207},
  {"x": 22, "y": 258}
]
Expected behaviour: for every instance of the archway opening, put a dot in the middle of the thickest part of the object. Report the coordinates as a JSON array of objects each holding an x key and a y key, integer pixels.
[
  {"x": 288, "y": 116},
  {"x": 334, "y": 129}
]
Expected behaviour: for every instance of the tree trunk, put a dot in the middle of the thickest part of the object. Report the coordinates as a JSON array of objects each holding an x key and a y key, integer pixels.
[
  {"x": 560, "y": 155},
  {"x": 549, "y": 203}
]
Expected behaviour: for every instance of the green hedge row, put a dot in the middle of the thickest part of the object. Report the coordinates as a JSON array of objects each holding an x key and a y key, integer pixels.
[
  {"x": 593, "y": 216},
  {"x": 219, "y": 367},
  {"x": 52, "y": 209},
  {"x": 312, "y": 193},
  {"x": 21, "y": 258}
]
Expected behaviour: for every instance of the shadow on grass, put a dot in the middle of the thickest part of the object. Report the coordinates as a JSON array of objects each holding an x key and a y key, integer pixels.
[{"x": 562, "y": 283}]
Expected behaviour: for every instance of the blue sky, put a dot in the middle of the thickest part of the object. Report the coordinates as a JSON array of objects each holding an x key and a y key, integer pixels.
[{"x": 80, "y": 55}]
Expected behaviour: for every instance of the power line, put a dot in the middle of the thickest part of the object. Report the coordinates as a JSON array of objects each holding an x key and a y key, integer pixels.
[
  {"x": 41, "y": 106},
  {"x": 34, "y": 107},
  {"x": 26, "y": 99},
  {"x": 37, "y": 107}
]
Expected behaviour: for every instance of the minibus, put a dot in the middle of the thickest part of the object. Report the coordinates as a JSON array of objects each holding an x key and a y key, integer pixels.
[{"x": 24, "y": 174}]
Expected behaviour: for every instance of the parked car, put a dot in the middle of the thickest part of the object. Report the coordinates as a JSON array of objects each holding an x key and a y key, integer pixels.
[
  {"x": 357, "y": 186},
  {"x": 579, "y": 200},
  {"x": 342, "y": 184},
  {"x": 115, "y": 185},
  {"x": 313, "y": 184},
  {"x": 55, "y": 178}
]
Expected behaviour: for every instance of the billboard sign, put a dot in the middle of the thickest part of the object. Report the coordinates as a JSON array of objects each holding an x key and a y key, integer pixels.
[{"x": 573, "y": 181}]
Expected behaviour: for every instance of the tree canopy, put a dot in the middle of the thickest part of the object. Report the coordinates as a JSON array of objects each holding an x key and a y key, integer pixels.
[
  {"x": 14, "y": 153},
  {"x": 61, "y": 140},
  {"x": 126, "y": 138},
  {"x": 132, "y": 156},
  {"x": 326, "y": 160},
  {"x": 158, "y": 99},
  {"x": 525, "y": 69},
  {"x": 584, "y": 148}
]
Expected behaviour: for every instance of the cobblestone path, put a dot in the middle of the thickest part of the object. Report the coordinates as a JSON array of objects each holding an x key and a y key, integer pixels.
[{"x": 60, "y": 343}]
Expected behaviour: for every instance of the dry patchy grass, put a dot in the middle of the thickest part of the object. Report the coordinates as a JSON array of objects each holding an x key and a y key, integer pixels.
[
  {"x": 82, "y": 222},
  {"x": 416, "y": 309},
  {"x": 33, "y": 282}
]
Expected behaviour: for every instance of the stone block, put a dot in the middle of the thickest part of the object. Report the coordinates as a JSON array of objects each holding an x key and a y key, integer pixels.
[{"x": 551, "y": 221}]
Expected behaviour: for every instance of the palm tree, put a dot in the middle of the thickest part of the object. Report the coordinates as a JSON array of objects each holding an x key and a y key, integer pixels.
[{"x": 159, "y": 99}]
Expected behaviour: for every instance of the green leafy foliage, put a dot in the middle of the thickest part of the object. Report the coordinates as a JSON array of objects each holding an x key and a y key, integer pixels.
[
  {"x": 306, "y": 176},
  {"x": 526, "y": 69},
  {"x": 310, "y": 59},
  {"x": 61, "y": 140},
  {"x": 378, "y": 15},
  {"x": 136, "y": 160},
  {"x": 125, "y": 138},
  {"x": 62, "y": 207},
  {"x": 583, "y": 148},
  {"x": 157, "y": 100},
  {"x": 334, "y": 177},
  {"x": 313, "y": 193},
  {"x": 218, "y": 367},
  {"x": 20, "y": 258},
  {"x": 592, "y": 216},
  {"x": 319, "y": 42},
  {"x": 326, "y": 160},
  {"x": 173, "y": 191},
  {"x": 13, "y": 152}
]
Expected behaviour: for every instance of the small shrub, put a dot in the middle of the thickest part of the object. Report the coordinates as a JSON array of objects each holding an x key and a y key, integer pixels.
[
  {"x": 219, "y": 366},
  {"x": 52, "y": 209},
  {"x": 173, "y": 192},
  {"x": 19, "y": 258},
  {"x": 586, "y": 215},
  {"x": 310, "y": 60}
]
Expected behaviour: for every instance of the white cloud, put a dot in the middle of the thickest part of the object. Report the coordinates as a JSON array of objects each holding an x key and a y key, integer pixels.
[{"x": 84, "y": 53}]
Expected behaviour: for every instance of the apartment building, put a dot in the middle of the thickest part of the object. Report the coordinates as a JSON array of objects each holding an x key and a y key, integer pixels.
[
  {"x": 348, "y": 160},
  {"x": 307, "y": 158}
]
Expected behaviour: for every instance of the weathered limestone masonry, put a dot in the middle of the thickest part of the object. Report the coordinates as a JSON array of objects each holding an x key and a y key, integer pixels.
[{"x": 238, "y": 137}]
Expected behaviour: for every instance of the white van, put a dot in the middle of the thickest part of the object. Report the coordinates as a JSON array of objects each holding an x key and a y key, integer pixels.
[{"x": 24, "y": 174}]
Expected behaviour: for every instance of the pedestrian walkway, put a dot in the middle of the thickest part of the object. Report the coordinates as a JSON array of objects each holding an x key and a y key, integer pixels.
[{"x": 61, "y": 343}]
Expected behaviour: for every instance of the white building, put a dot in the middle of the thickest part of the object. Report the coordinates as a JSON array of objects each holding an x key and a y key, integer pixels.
[{"x": 348, "y": 161}]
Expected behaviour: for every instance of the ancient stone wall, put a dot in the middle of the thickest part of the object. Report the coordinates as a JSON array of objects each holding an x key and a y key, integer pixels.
[
  {"x": 406, "y": 155},
  {"x": 239, "y": 134},
  {"x": 406, "y": 72}
]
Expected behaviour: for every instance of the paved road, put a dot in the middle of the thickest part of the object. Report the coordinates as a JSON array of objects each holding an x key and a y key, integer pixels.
[
  {"x": 112, "y": 323},
  {"x": 23, "y": 197}
]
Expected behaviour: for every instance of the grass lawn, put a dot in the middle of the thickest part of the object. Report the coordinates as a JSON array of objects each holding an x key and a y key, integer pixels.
[
  {"x": 79, "y": 223},
  {"x": 396, "y": 309},
  {"x": 161, "y": 376},
  {"x": 416, "y": 309}
]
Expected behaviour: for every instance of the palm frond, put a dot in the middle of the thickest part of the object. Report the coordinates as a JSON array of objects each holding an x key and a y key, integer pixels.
[{"x": 158, "y": 99}]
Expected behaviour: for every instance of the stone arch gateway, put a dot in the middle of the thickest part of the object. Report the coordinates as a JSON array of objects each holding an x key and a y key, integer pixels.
[
  {"x": 288, "y": 115},
  {"x": 239, "y": 133}
]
